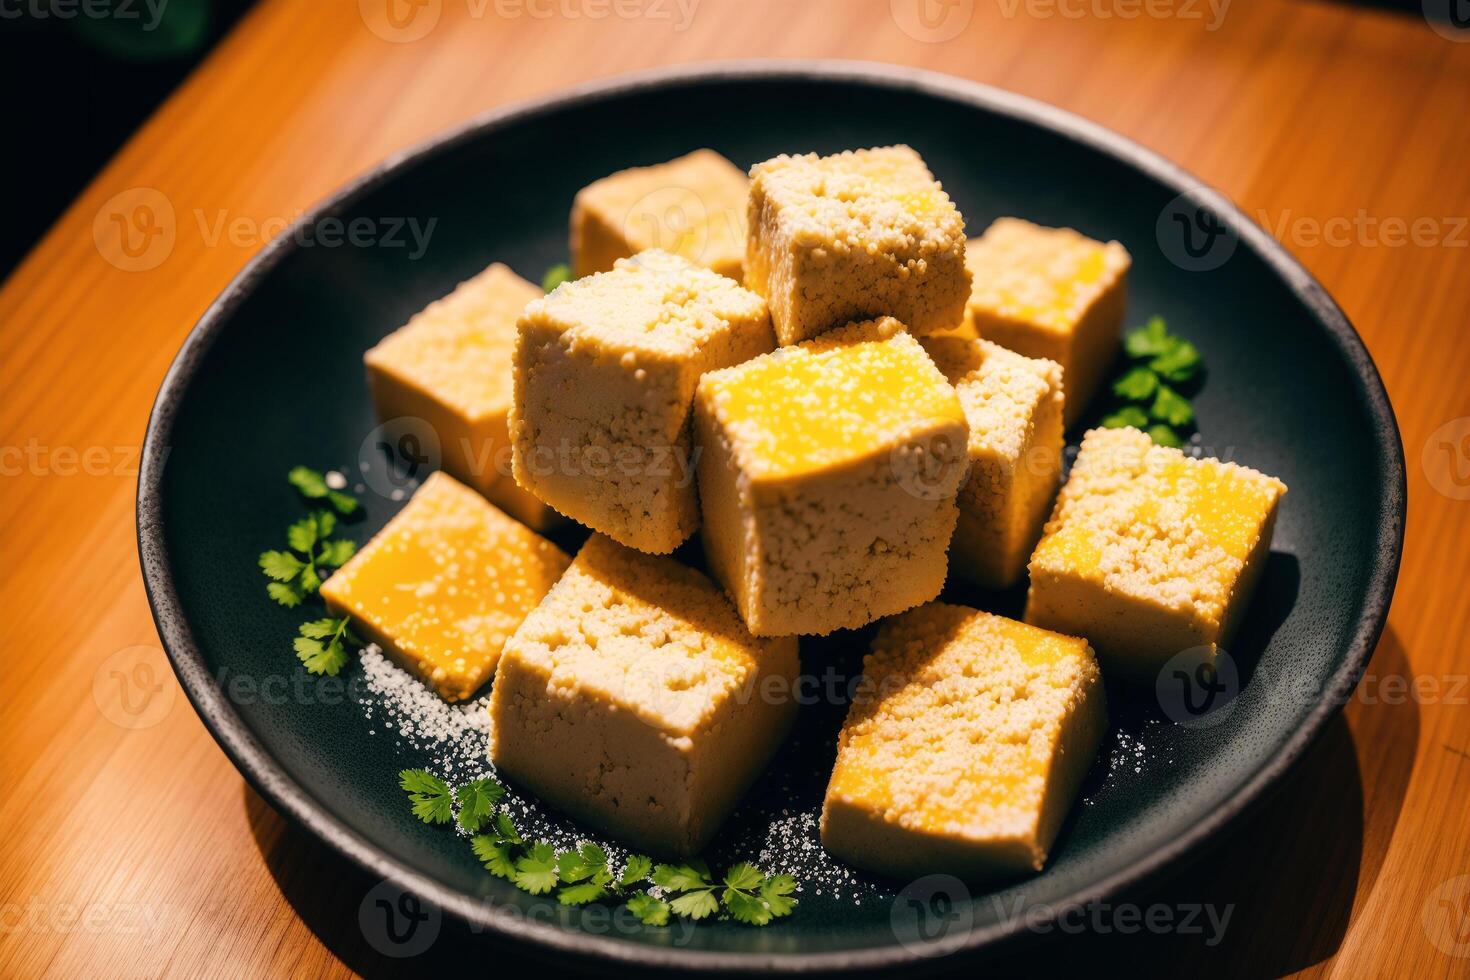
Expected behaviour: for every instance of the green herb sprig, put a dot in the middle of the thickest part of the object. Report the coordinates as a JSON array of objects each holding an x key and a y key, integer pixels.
[
  {"x": 296, "y": 572},
  {"x": 585, "y": 874},
  {"x": 1149, "y": 389}
]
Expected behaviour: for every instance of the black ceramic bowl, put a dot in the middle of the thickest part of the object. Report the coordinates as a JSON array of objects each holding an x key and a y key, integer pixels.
[{"x": 272, "y": 376}]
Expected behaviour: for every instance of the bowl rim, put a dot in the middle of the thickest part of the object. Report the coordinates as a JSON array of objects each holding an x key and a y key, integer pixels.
[{"x": 292, "y": 799}]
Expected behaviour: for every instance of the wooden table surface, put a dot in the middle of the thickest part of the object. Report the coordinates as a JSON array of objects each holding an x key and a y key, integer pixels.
[{"x": 130, "y": 844}]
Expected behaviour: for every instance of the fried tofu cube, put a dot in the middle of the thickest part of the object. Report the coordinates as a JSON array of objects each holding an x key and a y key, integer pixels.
[
  {"x": 860, "y": 234},
  {"x": 1052, "y": 293},
  {"x": 449, "y": 368},
  {"x": 827, "y": 476},
  {"x": 1150, "y": 553},
  {"x": 693, "y": 206},
  {"x": 1014, "y": 407},
  {"x": 634, "y": 699},
  {"x": 444, "y": 584},
  {"x": 964, "y": 747},
  {"x": 605, "y": 372}
]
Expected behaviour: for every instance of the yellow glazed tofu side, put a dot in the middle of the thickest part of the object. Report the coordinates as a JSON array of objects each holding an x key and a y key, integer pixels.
[
  {"x": 964, "y": 747},
  {"x": 1149, "y": 552},
  {"x": 827, "y": 477},
  {"x": 1051, "y": 293},
  {"x": 448, "y": 370},
  {"x": 605, "y": 374},
  {"x": 855, "y": 235},
  {"x": 1014, "y": 408},
  {"x": 445, "y": 584},
  {"x": 632, "y": 698},
  {"x": 693, "y": 206}
]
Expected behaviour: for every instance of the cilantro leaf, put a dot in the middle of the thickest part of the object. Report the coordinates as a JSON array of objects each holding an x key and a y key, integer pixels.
[
  {"x": 505, "y": 829},
  {"x": 747, "y": 908},
  {"x": 681, "y": 877},
  {"x": 636, "y": 870},
  {"x": 1171, "y": 407},
  {"x": 495, "y": 855},
  {"x": 696, "y": 904},
  {"x": 1127, "y": 415},
  {"x": 320, "y": 645},
  {"x": 312, "y": 485},
  {"x": 1165, "y": 436},
  {"x": 345, "y": 503},
  {"x": 776, "y": 891},
  {"x": 743, "y": 876},
  {"x": 555, "y": 276},
  {"x": 536, "y": 869},
  {"x": 649, "y": 910},
  {"x": 429, "y": 795},
  {"x": 1139, "y": 383},
  {"x": 286, "y": 593},
  {"x": 1177, "y": 362},
  {"x": 308, "y": 482},
  {"x": 302, "y": 534},
  {"x": 587, "y": 861},
  {"x": 582, "y": 893},
  {"x": 280, "y": 565},
  {"x": 476, "y": 800},
  {"x": 336, "y": 552},
  {"x": 1149, "y": 340}
]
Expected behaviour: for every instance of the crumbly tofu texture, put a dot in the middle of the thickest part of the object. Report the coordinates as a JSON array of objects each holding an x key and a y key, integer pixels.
[
  {"x": 634, "y": 699},
  {"x": 965, "y": 329},
  {"x": 1052, "y": 293},
  {"x": 1150, "y": 552},
  {"x": 1014, "y": 407},
  {"x": 827, "y": 476},
  {"x": 445, "y": 584},
  {"x": 449, "y": 368},
  {"x": 605, "y": 373},
  {"x": 863, "y": 233},
  {"x": 692, "y": 206},
  {"x": 964, "y": 747}
]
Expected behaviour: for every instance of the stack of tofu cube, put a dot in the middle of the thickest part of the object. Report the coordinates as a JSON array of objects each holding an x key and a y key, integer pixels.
[{"x": 789, "y": 365}]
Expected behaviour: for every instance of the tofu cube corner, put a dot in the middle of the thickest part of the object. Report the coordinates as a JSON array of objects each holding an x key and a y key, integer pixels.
[
  {"x": 692, "y": 206},
  {"x": 1052, "y": 293},
  {"x": 446, "y": 376},
  {"x": 852, "y": 236},
  {"x": 1150, "y": 553},
  {"x": 445, "y": 584},
  {"x": 634, "y": 699},
  {"x": 827, "y": 477},
  {"x": 605, "y": 374},
  {"x": 964, "y": 746}
]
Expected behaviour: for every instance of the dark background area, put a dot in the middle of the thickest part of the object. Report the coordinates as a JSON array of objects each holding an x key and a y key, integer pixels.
[{"x": 79, "y": 76}]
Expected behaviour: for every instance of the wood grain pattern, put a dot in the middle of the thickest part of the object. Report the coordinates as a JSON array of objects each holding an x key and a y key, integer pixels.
[{"x": 137, "y": 850}]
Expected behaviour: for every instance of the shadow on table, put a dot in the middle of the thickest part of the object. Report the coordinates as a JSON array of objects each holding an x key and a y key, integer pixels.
[{"x": 1273, "y": 897}]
